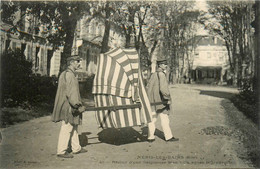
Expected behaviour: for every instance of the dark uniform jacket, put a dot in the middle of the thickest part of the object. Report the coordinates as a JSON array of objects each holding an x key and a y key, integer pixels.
[{"x": 67, "y": 99}]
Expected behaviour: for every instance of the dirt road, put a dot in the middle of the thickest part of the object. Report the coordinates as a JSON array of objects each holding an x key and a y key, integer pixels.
[{"x": 212, "y": 133}]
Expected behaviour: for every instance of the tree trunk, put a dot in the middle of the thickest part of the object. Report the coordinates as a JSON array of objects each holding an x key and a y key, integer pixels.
[
  {"x": 130, "y": 28},
  {"x": 239, "y": 73},
  {"x": 229, "y": 55},
  {"x": 70, "y": 30},
  {"x": 257, "y": 62},
  {"x": 105, "y": 40},
  {"x": 128, "y": 37},
  {"x": 235, "y": 60},
  {"x": 153, "y": 48}
]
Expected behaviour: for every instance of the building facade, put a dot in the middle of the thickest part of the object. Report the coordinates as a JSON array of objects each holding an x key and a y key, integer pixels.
[
  {"x": 88, "y": 41},
  {"x": 210, "y": 60},
  {"x": 31, "y": 39}
]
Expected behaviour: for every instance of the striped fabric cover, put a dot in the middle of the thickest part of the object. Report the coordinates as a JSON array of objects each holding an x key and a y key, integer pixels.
[{"x": 118, "y": 81}]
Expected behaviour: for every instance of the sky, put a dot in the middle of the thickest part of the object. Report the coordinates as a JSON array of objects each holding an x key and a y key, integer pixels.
[{"x": 201, "y": 5}]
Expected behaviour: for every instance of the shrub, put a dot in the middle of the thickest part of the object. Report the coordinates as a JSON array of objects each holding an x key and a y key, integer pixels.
[
  {"x": 250, "y": 110},
  {"x": 24, "y": 94},
  {"x": 10, "y": 116},
  {"x": 247, "y": 91},
  {"x": 15, "y": 74},
  {"x": 86, "y": 87},
  {"x": 20, "y": 87},
  {"x": 43, "y": 89},
  {"x": 246, "y": 100}
]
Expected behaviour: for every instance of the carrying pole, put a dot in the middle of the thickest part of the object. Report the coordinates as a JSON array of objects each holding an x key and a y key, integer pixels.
[{"x": 118, "y": 107}]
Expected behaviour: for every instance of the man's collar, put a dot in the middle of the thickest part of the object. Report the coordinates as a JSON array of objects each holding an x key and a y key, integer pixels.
[
  {"x": 70, "y": 69},
  {"x": 160, "y": 70}
]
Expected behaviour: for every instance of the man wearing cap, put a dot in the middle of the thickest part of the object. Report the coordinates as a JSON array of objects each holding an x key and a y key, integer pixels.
[
  {"x": 68, "y": 109},
  {"x": 158, "y": 91}
]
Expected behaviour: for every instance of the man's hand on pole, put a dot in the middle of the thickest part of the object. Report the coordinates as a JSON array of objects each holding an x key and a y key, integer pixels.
[{"x": 81, "y": 109}]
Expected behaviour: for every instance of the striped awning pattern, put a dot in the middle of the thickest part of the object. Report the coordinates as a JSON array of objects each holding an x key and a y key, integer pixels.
[{"x": 119, "y": 81}]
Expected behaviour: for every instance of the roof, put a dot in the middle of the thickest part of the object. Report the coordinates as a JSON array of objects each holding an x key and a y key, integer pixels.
[{"x": 205, "y": 40}]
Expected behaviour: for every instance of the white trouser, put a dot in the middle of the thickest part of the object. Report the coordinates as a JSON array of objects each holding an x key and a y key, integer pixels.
[
  {"x": 165, "y": 123},
  {"x": 68, "y": 132}
]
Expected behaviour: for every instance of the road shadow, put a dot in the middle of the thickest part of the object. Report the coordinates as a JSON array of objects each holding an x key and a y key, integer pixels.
[
  {"x": 219, "y": 94},
  {"x": 83, "y": 139},
  {"x": 120, "y": 136},
  {"x": 157, "y": 133}
]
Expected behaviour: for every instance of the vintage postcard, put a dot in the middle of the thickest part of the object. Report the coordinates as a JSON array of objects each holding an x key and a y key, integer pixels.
[{"x": 129, "y": 84}]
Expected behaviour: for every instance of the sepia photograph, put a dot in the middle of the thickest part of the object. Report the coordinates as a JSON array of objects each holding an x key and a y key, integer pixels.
[{"x": 117, "y": 84}]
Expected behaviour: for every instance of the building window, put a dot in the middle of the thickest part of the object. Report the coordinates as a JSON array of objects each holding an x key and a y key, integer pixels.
[
  {"x": 49, "y": 56},
  {"x": 23, "y": 49},
  {"x": 95, "y": 59},
  {"x": 29, "y": 54},
  {"x": 203, "y": 73},
  {"x": 215, "y": 54},
  {"x": 37, "y": 58},
  {"x": 42, "y": 59},
  {"x": 99, "y": 29},
  {"x": 210, "y": 74},
  {"x": 87, "y": 59},
  {"x": 197, "y": 55},
  {"x": 215, "y": 40},
  {"x": 14, "y": 45},
  {"x": 96, "y": 29},
  {"x": 7, "y": 44}
]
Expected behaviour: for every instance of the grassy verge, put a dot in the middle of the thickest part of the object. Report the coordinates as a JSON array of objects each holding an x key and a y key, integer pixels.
[
  {"x": 11, "y": 115},
  {"x": 14, "y": 115},
  {"x": 249, "y": 110}
]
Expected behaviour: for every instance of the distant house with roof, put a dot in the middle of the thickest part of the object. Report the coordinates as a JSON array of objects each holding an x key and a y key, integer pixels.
[{"x": 210, "y": 64}]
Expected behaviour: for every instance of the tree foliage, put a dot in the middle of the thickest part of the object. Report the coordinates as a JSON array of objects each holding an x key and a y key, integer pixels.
[
  {"x": 104, "y": 12},
  {"x": 59, "y": 19},
  {"x": 144, "y": 25},
  {"x": 174, "y": 28},
  {"x": 231, "y": 21},
  {"x": 181, "y": 19}
]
